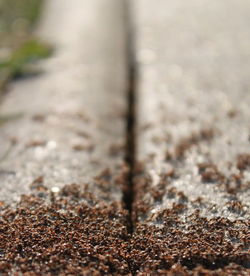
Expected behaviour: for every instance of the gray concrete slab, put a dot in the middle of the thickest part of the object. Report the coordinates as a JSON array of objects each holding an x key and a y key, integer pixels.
[
  {"x": 192, "y": 191},
  {"x": 193, "y": 99},
  {"x": 69, "y": 121}
]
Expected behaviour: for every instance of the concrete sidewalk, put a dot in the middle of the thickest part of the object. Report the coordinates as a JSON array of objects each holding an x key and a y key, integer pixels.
[
  {"x": 75, "y": 199},
  {"x": 71, "y": 116},
  {"x": 193, "y": 98},
  {"x": 66, "y": 149}
]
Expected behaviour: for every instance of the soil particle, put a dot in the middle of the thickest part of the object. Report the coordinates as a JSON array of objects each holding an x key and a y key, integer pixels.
[
  {"x": 39, "y": 118},
  {"x": 206, "y": 134},
  {"x": 243, "y": 162},
  {"x": 116, "y": 149},
  {"x": 83, "y": 134},
  {"x": 210, "y": 173},
  {"x": 232, "y": 183},
  {"x": 82, "y": 147},
  {"x": 236, "y": 206},
  {"x": 36, "y": 143}
]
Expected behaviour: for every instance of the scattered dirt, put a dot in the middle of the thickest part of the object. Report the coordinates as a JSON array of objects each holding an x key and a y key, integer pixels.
[
  {"x": 236, "y": 206},
  {"x": 167, "y": 241},
  {"x": 206, "y": 134},
  {"x": 210, "y": 173},
  {"x": 243, "y": 162},
  {"x": 234, "y": 182},
  {"x": 199, "y": 246},
  {"x": 116, "y": 149},
  {"x": 186, "y": 143},
  {"x": 70, "y": 233},
  {"x": 36, "y": 143},
  {"x": 39, "y": 118},
  {"x": 82, "y": 147}
]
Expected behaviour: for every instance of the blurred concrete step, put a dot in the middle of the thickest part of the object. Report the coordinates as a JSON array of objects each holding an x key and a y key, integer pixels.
[
  {"x": 69, "y": 124},
  {"x": 192, "y": 192},
  {"x": 68, "y": 128}
]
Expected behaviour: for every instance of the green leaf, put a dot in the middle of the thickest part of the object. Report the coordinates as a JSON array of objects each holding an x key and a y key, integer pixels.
[{"x": 27, "y": 53}]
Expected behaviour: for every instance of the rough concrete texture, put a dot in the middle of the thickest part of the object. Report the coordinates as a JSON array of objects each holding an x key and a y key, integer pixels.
[
  {"x": 69, "y": 121},
  {"x": 65, "y": 150},
  {"x": 193, "y": 99},
  {"x": 192, "y": 189}
]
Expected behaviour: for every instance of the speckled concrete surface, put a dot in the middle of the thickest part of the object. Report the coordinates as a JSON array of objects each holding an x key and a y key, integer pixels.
[
  {"x": 191, "y": 187},
  {"x": 70, "y": 120},
  {"x": 193, "y": 101},
  {"x": 190, "y": 213}
]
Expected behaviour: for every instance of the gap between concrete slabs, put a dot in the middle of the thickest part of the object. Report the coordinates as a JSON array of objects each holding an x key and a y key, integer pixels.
[{"x": 161, "y": 201}]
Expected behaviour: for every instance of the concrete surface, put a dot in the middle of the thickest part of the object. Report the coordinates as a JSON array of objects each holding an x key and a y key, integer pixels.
[
  {"x": 69, "y": 124},
  {"x": 193, "y": 60}
]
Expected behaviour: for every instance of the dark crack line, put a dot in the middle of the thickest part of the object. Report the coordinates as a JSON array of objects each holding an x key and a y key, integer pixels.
[{"x": 128, "y": 196}]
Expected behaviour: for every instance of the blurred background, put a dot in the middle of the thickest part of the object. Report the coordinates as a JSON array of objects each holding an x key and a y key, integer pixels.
[{"x": 18, "y": 47}]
